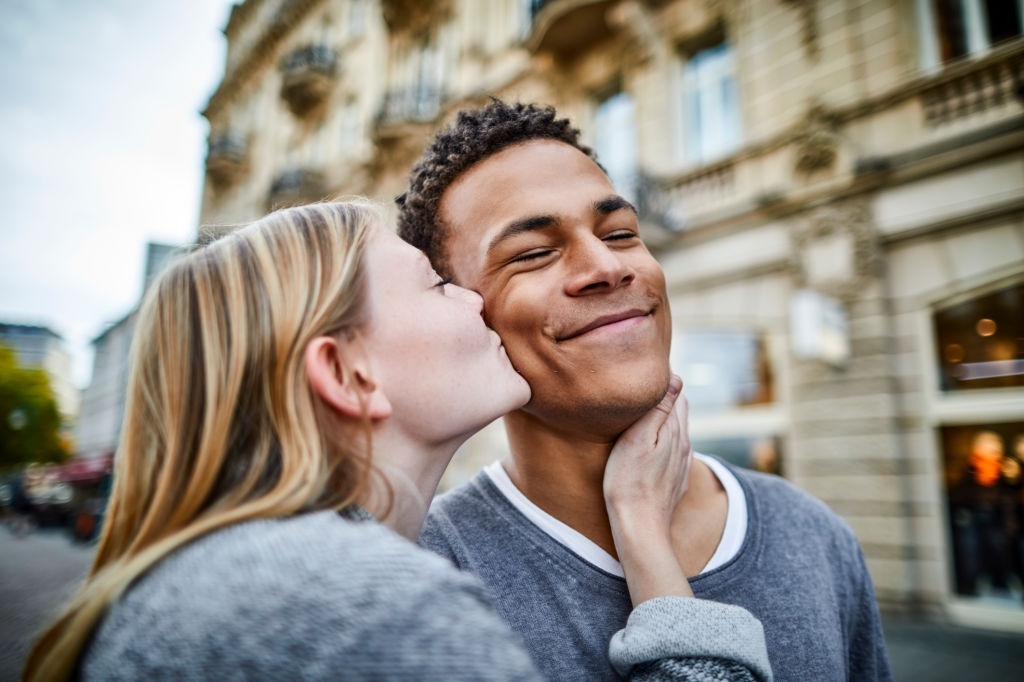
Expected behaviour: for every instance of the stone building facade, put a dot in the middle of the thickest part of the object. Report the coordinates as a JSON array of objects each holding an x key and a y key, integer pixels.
[
  {"x": 835, "y": 189},
  {"x": 103, "y": 400}
]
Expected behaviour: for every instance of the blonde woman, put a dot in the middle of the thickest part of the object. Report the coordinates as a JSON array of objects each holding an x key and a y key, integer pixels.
[{"x": 251, "y": 534}]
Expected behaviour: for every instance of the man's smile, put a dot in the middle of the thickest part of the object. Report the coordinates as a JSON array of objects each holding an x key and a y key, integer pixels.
[{"x": 609, "y": 322}]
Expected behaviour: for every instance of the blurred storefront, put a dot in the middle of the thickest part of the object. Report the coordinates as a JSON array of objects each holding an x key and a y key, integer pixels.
[{"x": 835, "y": 190}]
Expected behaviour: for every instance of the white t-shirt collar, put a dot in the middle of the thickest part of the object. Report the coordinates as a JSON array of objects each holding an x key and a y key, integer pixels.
[{"x": 732, "y": 536}]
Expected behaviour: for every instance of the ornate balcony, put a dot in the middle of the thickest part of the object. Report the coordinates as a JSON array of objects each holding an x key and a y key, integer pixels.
[
  {"x": 226, "y": 158},
  {"x": 414, "y": 17},
  {"x": 296, "y": 187},
  {"x": 976, "y": 88},
  {"x": 308, "y": 74},
  {"x": 565, "y": 27},
  {"x": 675, "y": 204}
]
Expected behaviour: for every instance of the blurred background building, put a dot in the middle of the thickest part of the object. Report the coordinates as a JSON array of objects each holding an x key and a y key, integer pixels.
[
  {"x": 103, "y": 401},
  {"x": 835, "y": 189},
  {"x": 41, "y": 347}
]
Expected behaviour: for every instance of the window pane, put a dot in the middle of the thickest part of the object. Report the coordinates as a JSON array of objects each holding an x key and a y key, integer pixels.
[
  {"x": 1003, "y": 20},
  {"x": 711, "y": 104},
  {"x": 952, "y": 30},
  {"x": 615, "y": 142},
  {"x": 761, "y": 453},
  {"x": 723, "y": 369},
  {"x": 983, "y": 465},
  {"x": 981, "y": 342}
]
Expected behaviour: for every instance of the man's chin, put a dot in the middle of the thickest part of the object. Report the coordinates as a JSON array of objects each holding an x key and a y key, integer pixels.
[{"x": 602, "y": 419}]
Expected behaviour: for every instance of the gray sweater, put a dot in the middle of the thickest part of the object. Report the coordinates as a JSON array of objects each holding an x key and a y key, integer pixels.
[
  {"x": 799, "y": 570},
  {"x": 321, "y": 596}
]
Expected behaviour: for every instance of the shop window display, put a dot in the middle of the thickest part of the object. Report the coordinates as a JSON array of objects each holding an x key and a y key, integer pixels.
[
  {"x": 985, "y": 488},
  {"x": 981, "y": 342}
]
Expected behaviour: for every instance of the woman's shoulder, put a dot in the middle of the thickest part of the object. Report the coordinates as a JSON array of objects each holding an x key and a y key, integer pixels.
[
  {"x": 294, "y": 598},
  {"x": 279, "y": 556}
]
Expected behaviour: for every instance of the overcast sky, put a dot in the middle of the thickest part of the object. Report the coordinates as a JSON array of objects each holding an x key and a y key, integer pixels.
[{"x": 101, "y": 150}]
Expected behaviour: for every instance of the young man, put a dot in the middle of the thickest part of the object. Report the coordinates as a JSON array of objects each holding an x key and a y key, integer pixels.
[{"x": 508, "y": 202}]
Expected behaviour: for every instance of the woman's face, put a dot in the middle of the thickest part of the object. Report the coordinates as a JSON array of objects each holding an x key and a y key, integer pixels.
[{"x": 445, "y": 373}]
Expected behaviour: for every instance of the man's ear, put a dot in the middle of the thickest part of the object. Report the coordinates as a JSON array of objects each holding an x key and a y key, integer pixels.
[{"x": 341, "y": 377}]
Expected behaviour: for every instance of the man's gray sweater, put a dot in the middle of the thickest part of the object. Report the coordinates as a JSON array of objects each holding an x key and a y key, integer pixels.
[{"x": 799, "y": 569}]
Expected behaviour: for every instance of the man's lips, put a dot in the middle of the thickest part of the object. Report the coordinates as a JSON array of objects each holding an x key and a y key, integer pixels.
[{"x": 602, "y": 321}]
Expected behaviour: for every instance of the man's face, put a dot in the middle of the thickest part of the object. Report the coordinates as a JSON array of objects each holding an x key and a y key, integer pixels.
[{"x": 538, "y": 230}]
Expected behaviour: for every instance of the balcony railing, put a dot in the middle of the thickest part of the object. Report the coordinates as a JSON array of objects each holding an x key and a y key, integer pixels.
[
  {"x": 226, "y": 158},
  {"x": 308, "y": 74},
  {"x": 295, "y": 187},
  {"x": 675, "y": 203},
  {"x": 976, "y": 87},
  {"x": 419, "y": 104}
]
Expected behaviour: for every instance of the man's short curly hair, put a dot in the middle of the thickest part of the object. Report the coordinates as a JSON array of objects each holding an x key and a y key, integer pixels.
[{"x": 476, "y": 135}]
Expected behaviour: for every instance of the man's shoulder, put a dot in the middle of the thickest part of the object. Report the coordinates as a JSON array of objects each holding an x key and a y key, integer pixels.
[
  {"x": 471, "y": 514},
  {"x": 775, "y": 501},
  {"x": 474, "y": 502}
]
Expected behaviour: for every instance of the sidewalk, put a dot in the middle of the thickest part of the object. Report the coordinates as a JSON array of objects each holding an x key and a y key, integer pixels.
[{"x": 939, "y": 652}]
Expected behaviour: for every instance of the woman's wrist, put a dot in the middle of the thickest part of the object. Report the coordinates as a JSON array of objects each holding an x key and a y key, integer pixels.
[{"x": 649, "y": 563}]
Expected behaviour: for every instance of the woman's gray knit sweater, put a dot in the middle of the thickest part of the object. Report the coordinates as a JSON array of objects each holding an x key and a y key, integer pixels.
[{"x": 325, "y": 597}]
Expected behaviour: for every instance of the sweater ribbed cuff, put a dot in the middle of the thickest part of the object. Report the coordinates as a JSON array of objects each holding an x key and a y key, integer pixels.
[{"x": 685, "y": 627}]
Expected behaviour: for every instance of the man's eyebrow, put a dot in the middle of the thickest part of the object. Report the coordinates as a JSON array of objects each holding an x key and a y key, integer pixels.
[
  {"x": 531, "y": 224},
  {"x": 612, "y": 204}
]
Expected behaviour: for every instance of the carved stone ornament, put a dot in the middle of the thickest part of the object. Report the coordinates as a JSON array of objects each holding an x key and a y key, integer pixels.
[
  {"x": 636, "y": 24},
  {"x": 809, "y": 22},
  {"x": 414, "y": 17},
  {"x": 731, "y": 11},
  {"x": 817, "y": 140},
  {"x": 836, "y": 249}
]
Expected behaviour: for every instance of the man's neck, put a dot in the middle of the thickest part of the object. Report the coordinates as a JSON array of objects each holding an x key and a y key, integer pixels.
[{"x": 563, "y": 473}]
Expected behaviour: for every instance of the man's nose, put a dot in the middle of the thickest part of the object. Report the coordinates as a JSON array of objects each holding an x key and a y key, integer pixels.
[{"x": 594, "y": 266}]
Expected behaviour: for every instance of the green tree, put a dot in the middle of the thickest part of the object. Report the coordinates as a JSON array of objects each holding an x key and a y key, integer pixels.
[{"x": 29, "y": 420}]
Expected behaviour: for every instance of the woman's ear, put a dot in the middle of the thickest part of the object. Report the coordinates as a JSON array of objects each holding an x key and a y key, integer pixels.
[{"x": 342, "y": 379}]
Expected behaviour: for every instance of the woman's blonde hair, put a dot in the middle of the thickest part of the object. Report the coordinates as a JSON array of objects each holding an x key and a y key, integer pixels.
[{"x": 220, "y": 423}]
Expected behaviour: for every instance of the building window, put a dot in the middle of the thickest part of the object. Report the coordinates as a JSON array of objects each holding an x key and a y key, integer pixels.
[
  {"x": 615, "y": 142},
  {"x": 418, "y": 76},
  {"x": 984, "y": 484},
  {"x": 979, "y": 373},
  {"x": 357, "y": 11},
  {"x": 953, "y": 29},
  {"x": 710, "y": 109},
  {"x": 729, "y": 383},
  {"x": 760, "y": 453},
  {"x": 980, "y": 343},
  {"x": 723, "y": 369},
  {"x": 351, "y": 133}
]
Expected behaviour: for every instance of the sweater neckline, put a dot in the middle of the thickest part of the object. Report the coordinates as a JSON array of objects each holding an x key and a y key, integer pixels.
[{"x": 729, "y": 546}]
